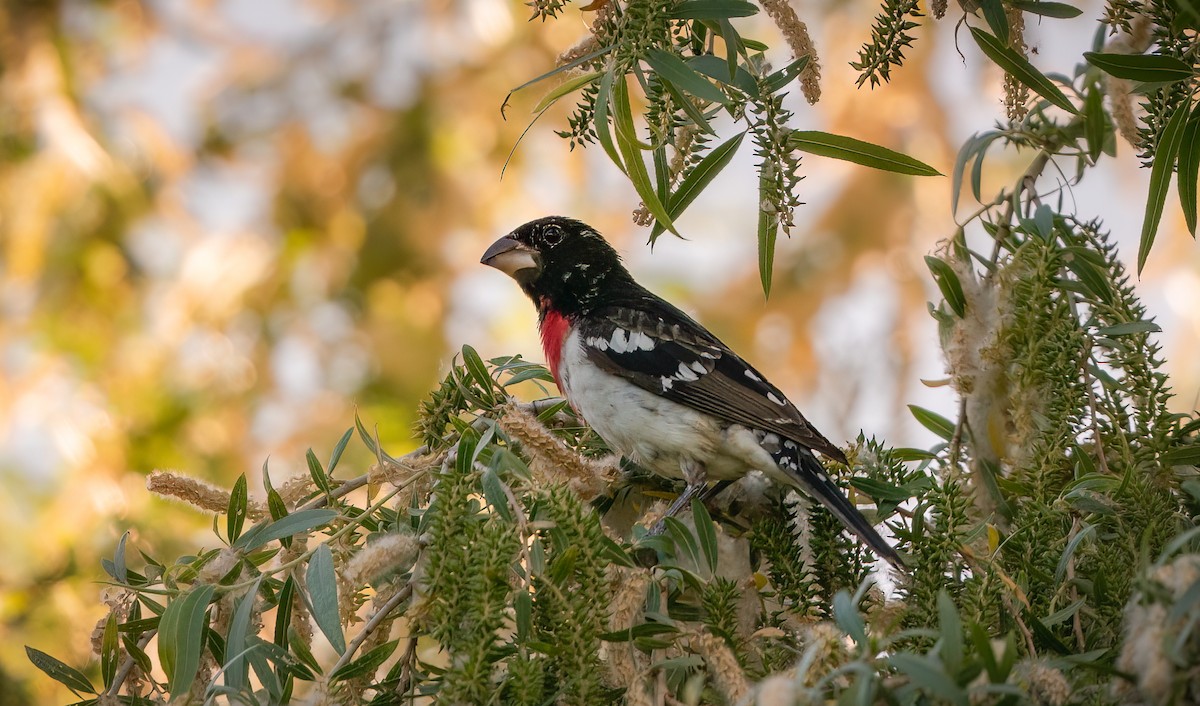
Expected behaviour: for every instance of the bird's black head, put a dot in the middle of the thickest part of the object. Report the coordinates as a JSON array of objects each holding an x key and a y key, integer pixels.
[{"x": 561, "y": 263}]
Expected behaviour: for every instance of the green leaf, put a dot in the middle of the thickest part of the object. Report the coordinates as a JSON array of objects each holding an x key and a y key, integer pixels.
[
  {"x": 718, "y": 69},
  {"x": 952, "y": 651},
  {"x": 317, "y": 472},
  {"x": 786, "y": 75},
  {"x": 109, "y": 656},
  {"x": 235, "y": 515},
  {"x": 1183, "y": 456},
  {"x": 181, "y": 637},
  {"x": 493, "y": 491},
  {"x": 340, "y": 448},
  {"x": 947, "y": 281},
  {"x": 925, "y": 674},
  {"x": 565, "y": 88},
  {"x": 59, "y": 671},
  {"x": 768, "y": 231},
  {"x": 628, "y": 145},
  {"x": 933, "y": 421},
  {"x": 1069, "y": 552},
  {"x": 706, "y": 533},
  {"x": 993, "y": 12},
  {"x": 479, "y": 372},
  {"x": 1060, "y": 10},
  {"x": 1129, "y": 327},
  {"x": 1095, "y": 126},
  {"x": 600, "y": 121},
  {"x": 671, "y": 68},
  {"x": 711, "y": 9},
  {"x": 1149, "y": 68},
  {"x": 859, "y": 152},
  {"x": 120, "y": 570},
  {"x": 322, "y": 589},
  {"x": 880, "y": 491},
  {"x": 1091, "y": 270},
  {"x": 366, "y": 664},
  {"x": 1019, "y": 68},
  {"x": 283, "y": 615},
  {"x": 270, "y": 530},
  {"x": 1160, "y": 180},
  {"x": 561, "y": 69},
  {"x": 685, "y": 541},
  {"x": 1189, "y": 169},
  {"x": 689, "y": 107},
  {"x": 235, "y": 639},
  {"x": 848, "y": 618},
  {"x": 699, "y": 179},
  {"x": 523, "y": 611}
]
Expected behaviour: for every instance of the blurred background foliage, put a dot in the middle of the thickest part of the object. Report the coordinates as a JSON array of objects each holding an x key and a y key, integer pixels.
[{"x": 225, "y": 225}]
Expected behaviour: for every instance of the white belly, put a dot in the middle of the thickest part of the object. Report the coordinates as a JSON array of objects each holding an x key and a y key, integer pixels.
[{"x": 652, "y": 431}]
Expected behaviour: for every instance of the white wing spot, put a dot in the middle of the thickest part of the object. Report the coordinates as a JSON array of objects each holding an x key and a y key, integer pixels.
[
  {"x": 750, "y": 374},
  {"x": 598, "y": 343},
  {"x": 706, "y": 354},
  {"x": 771, "y": 396},
  {"x": 619, "y": 343},
  {"x": 699, "y": 367},
  {"x": 685, "y": 373},
  {"x": 789, "y": 444},
  {"x": 639, "y": 341},
  {"x": 822, "y": 477},
  {"x": 667, "y": 382}
]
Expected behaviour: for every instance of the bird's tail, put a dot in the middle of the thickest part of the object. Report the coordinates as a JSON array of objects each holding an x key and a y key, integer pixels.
[{"x": 813, "y": 479}]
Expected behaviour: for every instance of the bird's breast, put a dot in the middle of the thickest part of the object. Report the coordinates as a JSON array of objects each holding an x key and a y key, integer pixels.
[{"x": 554, "y": 328}]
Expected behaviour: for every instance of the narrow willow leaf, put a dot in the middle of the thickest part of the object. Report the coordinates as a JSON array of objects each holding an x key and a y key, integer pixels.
[
  {"x": 953, "y": 651},
  {"x": 1183, "y": 456},
  {"x": 631, "y": 153},
  {"x": 786, "y": 75},
  {"x": 933, "y": 421},
  {"x": 848, "y": 618},
  {"x": 235, "y": 515},
  {"x": 947, "y": 281},
  {"x": 181, "y": 637},
  {"x": 671, "y": 68},
  {"x": 561, "y": 69},
  {"x": 236, "y": 673},
  {"x": 699, "y": 179},
  {"x": 317, "y": 472},
  {"x": 565, "y": 88},
  {"x": 270, "y": 530},
  {"x": 283, "y": 615},
  {"x": 1060, "y": 10},
  {"x": 1019, "y": 68},
  {"x": 1160, "y": 180},
  {"x": 479, "y": 373},
  {"x": 993, "y": 13},
  {"x": 1095, "y": 126},
  {"x": 685, "y": 542},
  {"x": 322, "y": 589},
  {"x": 366, "y": 664},
  {"x": 1130, "y": 327},
  {"x": 1149, "y": 68},
  {"x": 711, "y": 9},
  {"x": 768, "y": 231},
  {"x": 925, "y": 674},
  {"x": 1065, "y": 560},
  {"x": 1188, "y": 167},
  {"x": 339, "y": 449},
  {"x": 59, "y": 671},
  {"x": 120, "y": 570},
  {"x": 601, "y": 123},
  {"x": 706, "y": 533},
  {"x": 1090, "y": 268},
  {"x": 689, "y": 107},
  {"x": 523, "y": 611},
  {"x": 493, "y": 491},
  {"x": 718, "y": 69},
  {"x": 109, "y": 656},
  {"x": 859, "y": 152}
]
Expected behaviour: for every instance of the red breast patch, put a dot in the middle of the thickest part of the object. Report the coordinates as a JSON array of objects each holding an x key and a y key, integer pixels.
[{"x": 553, "y": 327}]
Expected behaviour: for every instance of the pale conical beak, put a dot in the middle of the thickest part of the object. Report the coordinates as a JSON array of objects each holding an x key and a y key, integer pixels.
[{"x": 511, "y": 257}]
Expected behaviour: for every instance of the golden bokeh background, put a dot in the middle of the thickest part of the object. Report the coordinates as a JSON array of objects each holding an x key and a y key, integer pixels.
[{"x": 225, "y": 226}]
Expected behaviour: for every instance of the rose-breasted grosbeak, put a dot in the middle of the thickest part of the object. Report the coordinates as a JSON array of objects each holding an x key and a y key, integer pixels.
[{"x": 657, "y": 386}]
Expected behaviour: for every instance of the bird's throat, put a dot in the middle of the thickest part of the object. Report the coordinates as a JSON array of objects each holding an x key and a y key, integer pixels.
[{"x": 554, "y": 327}]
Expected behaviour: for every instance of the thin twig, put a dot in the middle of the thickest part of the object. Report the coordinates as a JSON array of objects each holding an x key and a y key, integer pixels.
[
  {"x": 380, "y": 615},
  {"x": 127, "y": 666}
]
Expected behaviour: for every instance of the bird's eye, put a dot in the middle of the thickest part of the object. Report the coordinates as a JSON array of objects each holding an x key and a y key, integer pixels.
[{"x": 552, "y": 235}]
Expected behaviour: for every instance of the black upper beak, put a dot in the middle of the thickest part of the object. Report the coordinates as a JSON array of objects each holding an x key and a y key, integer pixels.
[{"x": 510, "y": 257}]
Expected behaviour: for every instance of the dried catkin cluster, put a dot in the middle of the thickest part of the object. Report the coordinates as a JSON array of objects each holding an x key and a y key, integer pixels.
[
  {"x": 625, "y": 663},
  {"x": 723, "y": 666},
  {"x": 1016, "y": 94},
  {"x": 1150, "y": 628},
  {"x": 552, "y": 460},
  {"x": 195, "y": 492},
  {"x": 588, "y": 43},
  {"x": 1119, "y": 90},
  {"x": 385, "y": 555},
  {"x": 1046, "y": 685},
  {"x": 795, "y": 32}
]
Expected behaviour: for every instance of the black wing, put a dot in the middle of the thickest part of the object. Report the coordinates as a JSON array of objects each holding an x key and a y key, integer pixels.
[{"x": 661, "y": 349}]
